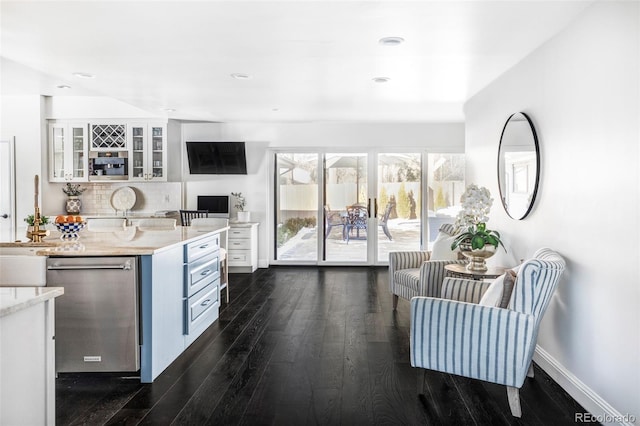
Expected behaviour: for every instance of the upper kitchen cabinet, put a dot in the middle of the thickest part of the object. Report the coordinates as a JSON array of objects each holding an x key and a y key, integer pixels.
[
  {"x": 68, "y": 159},
  {"x": 148, "y": 151},
  {"x": 109, "y": 137}
]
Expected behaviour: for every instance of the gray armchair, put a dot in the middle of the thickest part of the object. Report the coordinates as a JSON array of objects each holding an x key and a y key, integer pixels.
[
  {"x": 414, "y": 273},
  {"x": 484, "y": 341}
]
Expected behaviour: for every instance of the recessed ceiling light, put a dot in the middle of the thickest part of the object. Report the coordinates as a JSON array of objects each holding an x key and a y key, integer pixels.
[
  {"x": 240, "y": 76},
  {"x": 170, "y": 110},
  {"x": 63, "y": 86},
  {"x": 380, "y": 79},
  {"x": 83, "y": 75},
  {"x": 391, "y": 41}
]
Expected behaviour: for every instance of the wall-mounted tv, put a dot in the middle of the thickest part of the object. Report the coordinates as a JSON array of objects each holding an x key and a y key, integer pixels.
[{"x": 217, "y": 158}]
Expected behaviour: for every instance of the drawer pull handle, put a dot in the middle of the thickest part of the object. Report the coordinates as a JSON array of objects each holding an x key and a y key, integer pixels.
[
  {"x": 204, "y": 246},
  {"x": 205, "y": 272},
  {"x": 206, "y": 302}
]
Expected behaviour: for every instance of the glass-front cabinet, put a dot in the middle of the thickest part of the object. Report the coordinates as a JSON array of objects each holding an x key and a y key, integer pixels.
[
  {"x": 148, "y": 152},
  {"x": 68, "y": 159}
]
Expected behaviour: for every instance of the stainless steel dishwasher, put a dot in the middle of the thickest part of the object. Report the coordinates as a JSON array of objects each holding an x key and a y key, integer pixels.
[{"x": 97, "y": 318}]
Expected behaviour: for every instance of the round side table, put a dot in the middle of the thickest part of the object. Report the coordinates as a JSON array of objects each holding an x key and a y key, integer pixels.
[{"x": 457, "y": 270}]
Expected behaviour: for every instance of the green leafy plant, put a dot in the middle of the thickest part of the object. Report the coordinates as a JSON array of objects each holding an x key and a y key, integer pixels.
[
  {"x": 477, "y": 236},
  {"x": 31, "y": 219},
  {"x": 73, "y": 190},
  {"x": 476, "y": 203}
]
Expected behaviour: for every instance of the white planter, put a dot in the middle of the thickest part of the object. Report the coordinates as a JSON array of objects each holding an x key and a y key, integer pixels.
[{"x": 244, "y": 216}]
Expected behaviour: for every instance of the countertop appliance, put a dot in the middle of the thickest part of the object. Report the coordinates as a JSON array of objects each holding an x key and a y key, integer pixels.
[
  {"x": 108, "y": 166},
  {"x": 97, "y": 321}
]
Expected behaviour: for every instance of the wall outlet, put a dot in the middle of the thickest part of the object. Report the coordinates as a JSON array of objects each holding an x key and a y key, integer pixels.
[{"x": 167, "y": 198}]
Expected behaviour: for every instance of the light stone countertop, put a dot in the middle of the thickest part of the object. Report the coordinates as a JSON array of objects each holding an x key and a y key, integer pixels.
[
  {"x": 14, "y": 299},
  {"x": 129, "y": 241}
]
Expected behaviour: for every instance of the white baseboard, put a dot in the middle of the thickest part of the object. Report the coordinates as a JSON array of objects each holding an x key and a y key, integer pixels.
[
  {"x": 583, "y": 394},
  {"x": 262, "y": 263}
]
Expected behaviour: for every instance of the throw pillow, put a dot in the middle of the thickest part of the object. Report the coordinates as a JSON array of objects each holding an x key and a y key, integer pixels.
[
  {"x": 441, "y": 249},
  {"x": 508, "y": 283},
  {"x": 493, "y": 295}
]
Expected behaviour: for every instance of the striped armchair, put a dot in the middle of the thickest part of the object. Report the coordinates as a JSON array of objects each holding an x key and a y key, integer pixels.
[
  {"x": 485, "y": 342},
  {"x": 413, "y": 273}
]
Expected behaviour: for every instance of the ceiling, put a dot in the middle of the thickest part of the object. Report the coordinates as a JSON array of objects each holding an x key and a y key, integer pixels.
[{"x": 306, "y": 60}]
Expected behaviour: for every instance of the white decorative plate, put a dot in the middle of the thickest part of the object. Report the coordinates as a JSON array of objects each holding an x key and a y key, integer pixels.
[{"x": 123, "y": 198}]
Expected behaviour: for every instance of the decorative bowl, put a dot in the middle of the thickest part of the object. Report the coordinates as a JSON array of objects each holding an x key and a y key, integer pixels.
[{"x": 69, "y": 230}]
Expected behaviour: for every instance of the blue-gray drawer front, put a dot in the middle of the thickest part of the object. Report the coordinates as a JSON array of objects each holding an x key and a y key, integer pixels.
[
  {"x": 202, "y": 305},
  {"x": 201, "y": 273},
  {"x": 201, "y": 247}
]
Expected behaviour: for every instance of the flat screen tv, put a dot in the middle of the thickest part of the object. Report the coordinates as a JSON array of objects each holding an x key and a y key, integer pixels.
[{"x": 217, "y": 158}]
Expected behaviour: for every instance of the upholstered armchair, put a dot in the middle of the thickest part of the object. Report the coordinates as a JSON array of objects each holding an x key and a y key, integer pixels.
[
  {"x": 420, "y": 273},
  {"x": 483, "y": 341}
]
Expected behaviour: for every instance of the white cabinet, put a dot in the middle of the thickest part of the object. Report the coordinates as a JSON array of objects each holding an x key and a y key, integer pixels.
[
  {"x": 147, "y": 152},
  {"x": 68, "y": 154},
  {"x": 27, "y": 355},
  {"x": 108, "y": 136},
  {"x": 243, "y": 247}
]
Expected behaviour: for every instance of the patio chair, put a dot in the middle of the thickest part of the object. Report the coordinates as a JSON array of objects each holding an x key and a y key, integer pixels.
[
  {"x": 357, "y": 218},
  {"x": 331, "y": 219},
  {"x": 385, "y": 218}
]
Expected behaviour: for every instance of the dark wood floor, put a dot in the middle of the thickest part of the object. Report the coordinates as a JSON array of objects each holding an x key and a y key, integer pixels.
[{"x": 304, "y": 346}]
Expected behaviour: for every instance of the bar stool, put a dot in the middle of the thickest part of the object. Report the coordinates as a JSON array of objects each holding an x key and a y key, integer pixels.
[{"x": 186, "y": 216}]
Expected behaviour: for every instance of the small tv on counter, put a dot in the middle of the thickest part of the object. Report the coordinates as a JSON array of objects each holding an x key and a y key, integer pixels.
[
  {"x": 217, "y": 205},
  {"x": 217, "y": 158}
]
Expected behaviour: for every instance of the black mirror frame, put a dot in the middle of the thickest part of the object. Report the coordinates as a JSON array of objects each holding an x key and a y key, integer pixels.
[{"x": 537, "y": 181}]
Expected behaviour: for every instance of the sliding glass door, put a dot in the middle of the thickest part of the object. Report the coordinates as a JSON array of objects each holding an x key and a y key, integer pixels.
[
  {"x": 346, "y": 207},
  {"x": 398, "y": 203},
  {"x": 355, "y": 207},
  {"x": 296, "y": 207}
]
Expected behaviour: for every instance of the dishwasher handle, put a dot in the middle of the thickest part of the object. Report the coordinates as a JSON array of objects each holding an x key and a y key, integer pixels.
[{"x": 124, "y": 266}]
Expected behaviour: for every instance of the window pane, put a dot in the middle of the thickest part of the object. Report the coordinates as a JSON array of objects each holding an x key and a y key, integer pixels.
[
  {"x": 296, "y": 206},
  {"x": 399, "y": 201},
  {"x": 446, "y": 185}
]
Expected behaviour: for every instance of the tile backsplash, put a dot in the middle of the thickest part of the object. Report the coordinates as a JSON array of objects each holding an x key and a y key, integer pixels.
[{"x": 150, "y": 197}]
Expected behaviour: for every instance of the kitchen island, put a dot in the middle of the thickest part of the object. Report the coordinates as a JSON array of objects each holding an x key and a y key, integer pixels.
[
  {"x": 178, "y": 283},
  {"x": 27, "y": 376}
]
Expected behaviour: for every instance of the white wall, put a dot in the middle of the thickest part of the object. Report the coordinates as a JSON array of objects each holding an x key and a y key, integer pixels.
[
  {"x": 582, "y": 91},
  {"x": 21, "y": 117},
  {"x": 261, "y": 137}
]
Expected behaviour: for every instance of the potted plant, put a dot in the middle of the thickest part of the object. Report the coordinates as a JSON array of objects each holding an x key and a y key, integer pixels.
[
  {"x": 73, "y": 191},
  {"x": 239, "y": 204},
  {"x": 31, "y": 219},
  {"x": 474, "y": 240}
]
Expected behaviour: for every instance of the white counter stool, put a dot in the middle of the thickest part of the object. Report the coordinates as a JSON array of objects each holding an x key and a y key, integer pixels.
[{"x": 207, "y": 223}]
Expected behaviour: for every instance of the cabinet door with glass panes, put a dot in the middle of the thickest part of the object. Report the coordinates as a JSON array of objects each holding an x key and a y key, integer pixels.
[
  {"x": 68, "y": 159},
  {"x": 148, "y": 152}
]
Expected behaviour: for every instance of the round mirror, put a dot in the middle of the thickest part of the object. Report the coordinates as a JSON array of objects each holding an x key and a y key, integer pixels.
[{"x": 518, "y": 165}]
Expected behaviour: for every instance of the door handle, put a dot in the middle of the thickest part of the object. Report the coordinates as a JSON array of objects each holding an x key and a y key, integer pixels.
[{"x": 4, "y": 216}]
